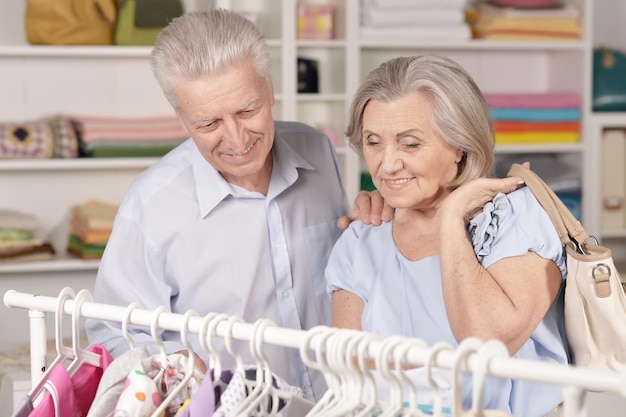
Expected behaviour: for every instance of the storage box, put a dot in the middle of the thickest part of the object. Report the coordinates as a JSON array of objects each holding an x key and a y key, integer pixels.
[{"x": 315, "y": 21}]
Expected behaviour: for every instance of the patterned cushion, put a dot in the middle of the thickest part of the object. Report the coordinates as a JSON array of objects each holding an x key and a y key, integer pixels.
[
  {"x": 32, "y": 139},
  {"x": 65, "y": 137}
]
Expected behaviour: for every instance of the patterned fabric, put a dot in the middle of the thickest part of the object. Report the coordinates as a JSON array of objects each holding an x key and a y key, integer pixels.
[
  {"x": 26, "y": 140},
  {"x": 151, "y": 381},
  {"x": 65, "y": 137},
  {"x": 53, "y": 137}
]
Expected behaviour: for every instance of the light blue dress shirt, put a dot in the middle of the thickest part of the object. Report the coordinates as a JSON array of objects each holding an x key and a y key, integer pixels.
[
  {"x": 404, "y": 297},
  {"x": 187, "y": 239}
]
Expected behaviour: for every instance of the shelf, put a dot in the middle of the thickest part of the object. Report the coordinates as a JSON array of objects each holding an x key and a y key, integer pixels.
[
  {"x": 609, "y": 119},
  {"x": 331, "y": 43},
  {"x": 75, "y": 164},
  {"x": 542, "y": 148},
  {"x": 316, "y": 97},
  {"x": 615, "y": 234},
  {"x": 104, "y": 51},
  {"x": 474, "y": 44},
  {"x": 60, "y": 264}
]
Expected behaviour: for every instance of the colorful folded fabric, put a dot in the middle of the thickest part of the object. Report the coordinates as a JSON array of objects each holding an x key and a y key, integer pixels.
[
  {"x": 553, "y": 100},
  {"x": 524, "y": 126},
  {"x": 155, "y": 128},
  {"x": 536, "y": 114},
  {"x": 84, "y": 250},
  {"x": 536, "y": 137}
]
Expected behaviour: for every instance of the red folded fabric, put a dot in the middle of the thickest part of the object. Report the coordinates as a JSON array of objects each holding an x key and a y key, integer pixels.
[{"x": 518, "y": 126}]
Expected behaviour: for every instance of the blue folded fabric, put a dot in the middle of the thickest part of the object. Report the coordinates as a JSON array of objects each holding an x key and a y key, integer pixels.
[{"x": 536, "y": 114}]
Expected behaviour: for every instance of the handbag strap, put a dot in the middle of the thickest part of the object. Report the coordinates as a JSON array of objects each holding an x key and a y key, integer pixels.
[{"x": 570, "y": 230}]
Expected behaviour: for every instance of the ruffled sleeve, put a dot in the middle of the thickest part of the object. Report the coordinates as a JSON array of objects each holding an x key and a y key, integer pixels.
[{"x": 513, "y": 224}]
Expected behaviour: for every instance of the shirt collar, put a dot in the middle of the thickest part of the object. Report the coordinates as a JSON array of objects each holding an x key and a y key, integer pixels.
[{"x": 212, "y": 188}]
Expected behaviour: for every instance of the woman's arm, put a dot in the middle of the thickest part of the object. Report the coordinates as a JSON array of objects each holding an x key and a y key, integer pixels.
[
  {"x": 506, "y": 301},
  {"x": 347, "y": 310}
]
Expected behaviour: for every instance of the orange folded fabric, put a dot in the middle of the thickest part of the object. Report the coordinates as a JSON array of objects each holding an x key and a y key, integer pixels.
[{"x": 519, "y": 126}]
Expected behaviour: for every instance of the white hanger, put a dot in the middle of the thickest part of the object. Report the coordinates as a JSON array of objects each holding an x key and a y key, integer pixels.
[
  {"x": 467, "y": 347},
  {"x": 258, "y": 401},
  {"x": 80, "y": 356},
  {"x": 63, "y": 352},
  {"x": 490, "y": 350},
  {"x": 369, "y": 396},
  {"x": 430, "y": 362},
  {"x": 341, "y": 361},
  {"x": 324, "y": 332},
  {"x": 400, "y": 361},
  {"x": 157, "y": 339},
  {"x": 383, "y": 361},
  {"x": 125, "y": 320},
  {"x": 189, "y": 368},
  {"x": 206, "y": 341},
  {"x": 228, "y": 342}
]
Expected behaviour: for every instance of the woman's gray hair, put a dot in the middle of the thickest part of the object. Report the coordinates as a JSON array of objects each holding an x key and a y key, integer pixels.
[
  {"x": 202, "y": 43},
  {"x": 460, "y": 112}
]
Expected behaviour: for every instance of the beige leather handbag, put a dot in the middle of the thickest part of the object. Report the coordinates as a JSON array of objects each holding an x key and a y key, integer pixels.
[{"x": 595, "y": 301}]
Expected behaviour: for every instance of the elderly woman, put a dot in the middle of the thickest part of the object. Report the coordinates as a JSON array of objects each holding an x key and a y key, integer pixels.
[{"x": 465, "y": 255}]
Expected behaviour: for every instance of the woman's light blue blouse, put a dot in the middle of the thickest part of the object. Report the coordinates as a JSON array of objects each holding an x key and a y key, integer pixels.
[{"x": 403, "y": 297}]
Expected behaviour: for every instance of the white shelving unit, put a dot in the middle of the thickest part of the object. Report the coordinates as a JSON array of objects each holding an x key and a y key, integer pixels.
[{"x": 37, "y": 81}]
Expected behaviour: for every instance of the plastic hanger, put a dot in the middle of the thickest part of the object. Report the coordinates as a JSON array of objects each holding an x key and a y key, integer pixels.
[
  {"x": 125, "y": 320},
  {"x": 369, "y": 397},
  {"x": 428, "y": 368},
  {"x": 467, "y": 347},
  {"x": 159, "y": 342},
  {"x": 258, "y": 402},
  {"x": 340, "y": 359},
  {"x": 411, "y": 407},
  {"x": 383, "y": 360},
  {"x": 207, "y": 343},
  {"x": 228, "y": 342},
  {"x": 63, "y": 352},
  {"x": 80, "y": 356},
  {"x": 490, "y": 350},
  {"x": 189, "y": 368},
  {"x": 323, "y": 332}
]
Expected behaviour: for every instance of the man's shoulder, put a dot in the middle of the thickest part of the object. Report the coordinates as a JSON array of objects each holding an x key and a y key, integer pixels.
[{"x": 294, "y": 130}]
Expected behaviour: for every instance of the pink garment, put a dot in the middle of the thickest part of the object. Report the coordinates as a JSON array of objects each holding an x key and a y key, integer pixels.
[
  {"x": 72, "y": 397},
  {"x": 92, "y": 128},
  {"x": 554, "y": 100}
]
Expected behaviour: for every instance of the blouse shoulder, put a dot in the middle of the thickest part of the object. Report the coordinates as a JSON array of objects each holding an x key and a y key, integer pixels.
[{"x": 513, "y": 224}]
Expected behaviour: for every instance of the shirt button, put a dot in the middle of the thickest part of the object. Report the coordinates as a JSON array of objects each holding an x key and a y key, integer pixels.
[{"x": 285, "y": 294}]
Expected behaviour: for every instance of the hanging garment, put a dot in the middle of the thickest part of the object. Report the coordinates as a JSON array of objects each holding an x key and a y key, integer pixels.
[
  {"x": 72, "y": 397},
  {"x": 112, "y": 382},
  {"x": 202, "y": 402},
  {"x": 150, "y": 382}
]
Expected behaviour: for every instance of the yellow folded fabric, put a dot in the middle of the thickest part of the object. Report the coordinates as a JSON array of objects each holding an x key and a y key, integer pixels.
[
  {"x": 536, "y": 137},
  {"x": 94, "y": 215}
]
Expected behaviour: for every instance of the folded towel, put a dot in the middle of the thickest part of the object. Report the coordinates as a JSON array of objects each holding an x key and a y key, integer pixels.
[
  {"x": 536, "y": 137},
  {"x": 536, "y": 114},
  {"x": 459, "y": 31},
  {"x": 554, "y": 100},
  {"x": 434, "y": 16}
]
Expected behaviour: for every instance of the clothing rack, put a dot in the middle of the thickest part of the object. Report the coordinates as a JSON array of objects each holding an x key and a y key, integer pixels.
[{"x": 576, "y": 381}]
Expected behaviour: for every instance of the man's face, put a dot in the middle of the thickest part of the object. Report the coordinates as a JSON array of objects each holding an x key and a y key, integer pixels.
[{"x": 229, "y": 117}]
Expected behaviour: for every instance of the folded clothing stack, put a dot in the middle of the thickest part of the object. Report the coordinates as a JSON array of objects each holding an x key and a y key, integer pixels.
[
  {"x": 531, "y": 118},
  {"x": 413, "y": 20},
  {"x": 539, "y": 20},
  {"x": 128, "y": 137},
  {"x": 18, "y": 238},
  {"x": 90, "y": 228}
]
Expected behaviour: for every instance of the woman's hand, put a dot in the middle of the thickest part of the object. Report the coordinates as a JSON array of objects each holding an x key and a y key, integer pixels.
[{"x": 469, "y": 199}]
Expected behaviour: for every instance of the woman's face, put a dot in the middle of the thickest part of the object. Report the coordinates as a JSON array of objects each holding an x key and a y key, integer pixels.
[{"x": 409, "y": 163}]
